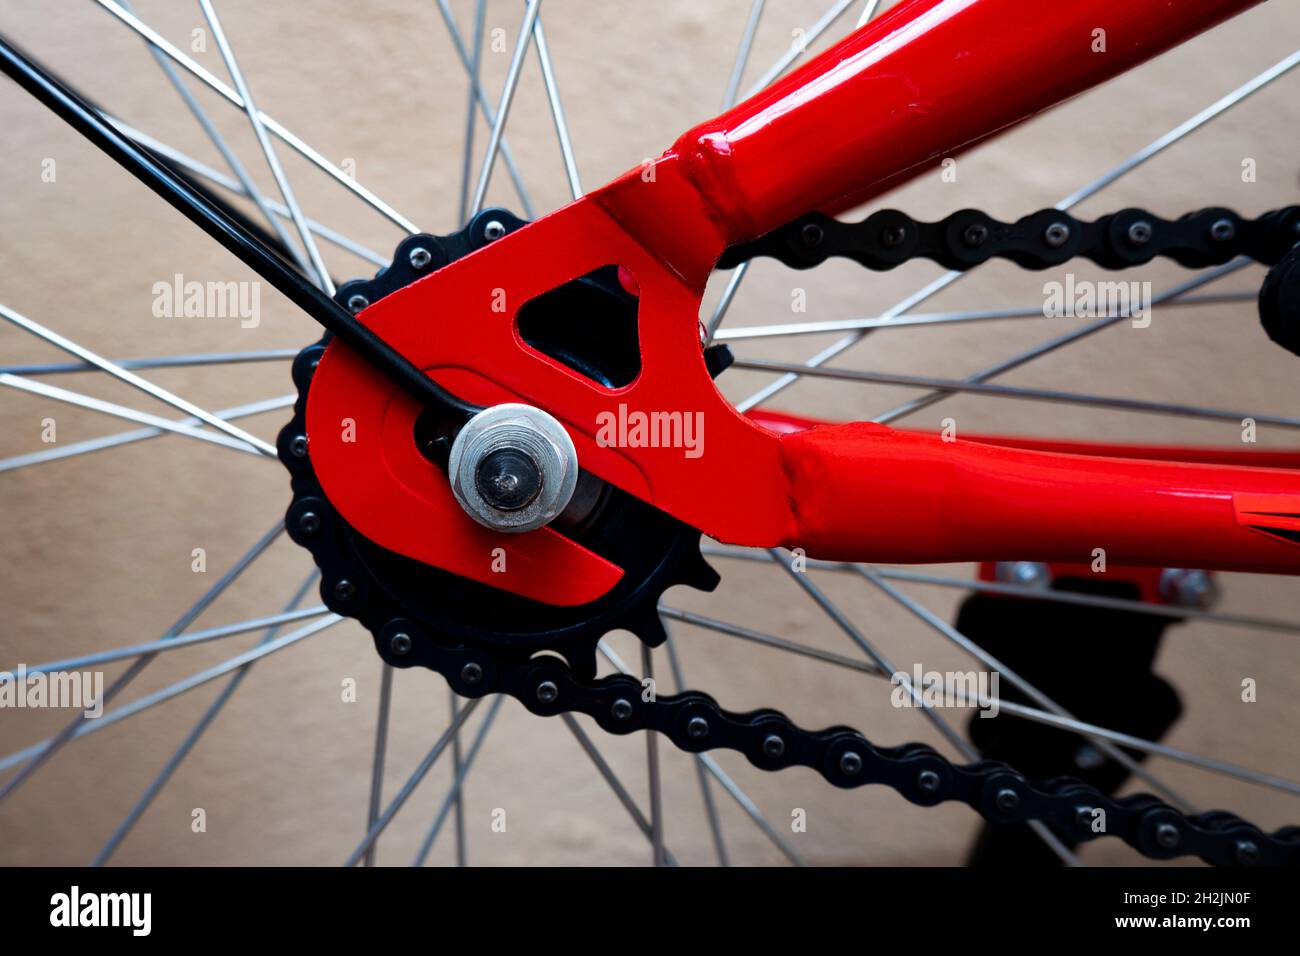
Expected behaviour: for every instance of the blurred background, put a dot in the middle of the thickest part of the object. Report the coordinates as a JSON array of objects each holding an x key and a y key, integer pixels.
[{"x": 98, "y": 549}]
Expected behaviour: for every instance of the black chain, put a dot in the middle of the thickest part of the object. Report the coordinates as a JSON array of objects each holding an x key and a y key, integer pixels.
[
  {"x": 1130, "y": 237},
  {"x": 694, "y": 721}
]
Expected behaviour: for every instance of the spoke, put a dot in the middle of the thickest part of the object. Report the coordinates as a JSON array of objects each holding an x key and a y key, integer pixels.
[
  {"x": 471, "y": 119},
  {"x": 742, "y": 55},
  {"x": 54, "y": 338},
  {"x": 174, "y": 643},
  {"x": 1051, "y": 345},
  {"x": 111, "y": 717},
  {"x": 1019, "y": 590},
  {"x": 928, "y": 319},
  {"x": 458, "y": 770},
  {"x": 652, "y": 772},
  {"x": 118, "y": 411},
  {"x": 268, "y": 150},
  {"x": 160, "y": 42},
  {"x": 485, "y": 108},
  {"x": 140, "y": 434},
  {"x": 192, "y": 165},
  {"x": 458, "y": 783},
  {"x": 48, "y": 748},
  {"x": 246, "y": 181},
  {"x": 408, "y": 788},
  {"x": 1020, "y": 710},
  {"x": 952, "y": 385},
  {"x": 720, "y": 775},
  {"x": 503, "y": 108},
  {"x": 706, "y": 792},
  {"x": 1041, "y": 699},
  {"x": 178, "y": 757},
  {"x": 615, "y": 784},
  {"x": 814, "y": 32},
  {"x": 161, "y": 361},
  {"x": 557, "y": 110},
  {"x": 1137, "y": 159},
  {"x": 377, "y": 762}
]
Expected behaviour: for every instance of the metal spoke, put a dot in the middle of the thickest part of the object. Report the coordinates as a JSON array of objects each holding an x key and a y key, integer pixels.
[
  {"x": 272, "y": 622},
  {"x": 140, "y": 434},
  {"x": 952, "y": 385},
  {"x": 1137, "y": 159},
  {"x": 347, "y": 182},
  {"x": 48, "y": 748},
  {"x": 412, "y": 782},
  {"x": 268, "y": 150},
  {"x": 706, "y": 792},
  {"x": 1041, "y": 699},
  {"x": 485, "y": 108},
  {"x": 457, "y": 770},
  {"x": 377, "y": 762},
  {"x": 246, "y": 181},
  {"x": 156, "y": 391},
  {"x": 557, "y": 110},
  {"x": 742, "y": 55},
  {"x": 814, "y": 32},
  {"x": 178, "y": 757},
  {"x": 458, "y": 786},
  {"x": 471, "y": 119},
  {"x": 1051, "y": 345},
  {"x": 652, "y": 772},
  {"x": 1019, "y": 710},
  {"x": 935, "y": 319},
  {"x": 615, "y": 784},
  {"x": 503, "y": 107},
  {"x": 720, "y": 775},
  {"x": 1020, "y": 590},
  {"x": 118, "y": 411},
  {"x": 160, "y": 361},
  {"x": 176, "y": 157},
  {"x": 111, "y": 717}
]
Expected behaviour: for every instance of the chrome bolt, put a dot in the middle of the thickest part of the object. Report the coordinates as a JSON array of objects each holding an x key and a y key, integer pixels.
[
  {"x": 493, "y": 230},
  {"x": 697, "y": 728},
  {"x": 1140, "y": 232},
  {"x": 471, "y": 674},
  {"x": 547, "y": 692},
  {"x": 1247, "y": 852},
  {"x": 400, "y": 644},
  {"x": 309, "y": 522},
  {"x": 1223, "y": 230},
  {"x": 298, "y": 446},
  {"x": 357, "y": 302},
  {"x": 976, "y": 235},
  {"x": 1023, "y": 573},
  {"x": 1007, "y": 800},
  {"x": 1057, "y": 235},
  {"x": 345, "y": 590},
  {"x": 773, "y": 746},
  {"x": 850, "y": 763},
  {"x": 927, "y": 781},
  {"x": 1188, "y": 587},
  {"x": 1167, "y": 836},
  {"x": 621, "y": 709},
  {"x": 420, "y": 258}
]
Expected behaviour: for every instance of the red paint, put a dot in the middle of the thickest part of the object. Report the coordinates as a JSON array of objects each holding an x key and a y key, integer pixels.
[{"x": 926, "y": 80}]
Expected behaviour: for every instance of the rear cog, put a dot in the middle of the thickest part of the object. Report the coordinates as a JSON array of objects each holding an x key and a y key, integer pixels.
[{"x": 412, "y": 609}]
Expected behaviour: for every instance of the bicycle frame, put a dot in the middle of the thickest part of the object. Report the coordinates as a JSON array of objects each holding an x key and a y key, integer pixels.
[{"x": 925, "y": 81}]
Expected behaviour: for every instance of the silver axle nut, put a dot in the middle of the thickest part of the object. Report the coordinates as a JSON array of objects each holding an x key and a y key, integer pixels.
[{"x": 513, "y": 468}]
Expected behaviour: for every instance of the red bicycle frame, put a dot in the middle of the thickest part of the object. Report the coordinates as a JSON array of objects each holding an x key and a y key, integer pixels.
[{"x": 928, "y": 79}]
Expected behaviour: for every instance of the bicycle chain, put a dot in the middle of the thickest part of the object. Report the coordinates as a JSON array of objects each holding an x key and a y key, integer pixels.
[
  {"x": 693, "y": 721},
  {"x": 1041, "y": 240}
]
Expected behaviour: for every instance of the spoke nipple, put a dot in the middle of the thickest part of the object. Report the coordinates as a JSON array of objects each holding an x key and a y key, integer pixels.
[
  {"x": 1007, "y": 800},
  {"x": 309, "y": 522},
  {"x": 621, "y": 709},
  {"x": 1056, "y": 235},
  {"x": 357, "y": 303},
  {"x": 1223, "y": 230},
  {"x": 471, "y": 674},
  {"x": 345, "y": 590},
  {"x": 812, "y": 234},
  {"x": 493, "y": 230},
  {"x": 773, "y": 746},
  {"x": 927, "y": 781},
  {"x": 420, "y": 258},
  {"x": 400, "y": 644},
  {"x": 298, "y": 446},
  {"x": 547, "y": 692},
  {"x": 1167, "y": 836},
  {"x": 697, "y": 728},
  {"x": 851, "y": 763},
  {"x": 976, "y": 235},
  {"x": 1247, "y": 852},
  {"x": 1139, "y": 234}
]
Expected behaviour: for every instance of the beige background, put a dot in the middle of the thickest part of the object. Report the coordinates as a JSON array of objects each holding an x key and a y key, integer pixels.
[{"x": 96, "y": 551}]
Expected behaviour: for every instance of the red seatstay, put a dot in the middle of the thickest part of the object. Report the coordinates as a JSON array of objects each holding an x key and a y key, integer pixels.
[{"x": 929, "y": 78}]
